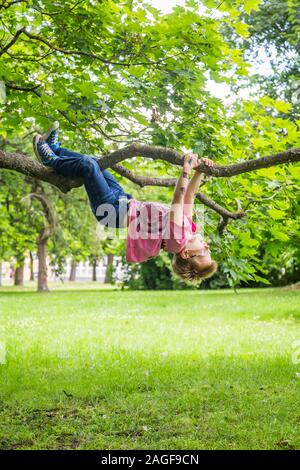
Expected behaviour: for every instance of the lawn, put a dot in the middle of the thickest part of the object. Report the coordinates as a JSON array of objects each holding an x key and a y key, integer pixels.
[{"x": 111, "y": 369}]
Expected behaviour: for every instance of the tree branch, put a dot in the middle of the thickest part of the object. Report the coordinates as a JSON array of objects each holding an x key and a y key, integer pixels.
[
  {"x": 176, "y": 158},
  {"x": 142, "y": 180},
  {"x": 289, "y": 156},
  {"x": 90, "y": 55},
  {"x": 11, "y": 43},
  {"x": 219, "y": 209},
  {"x": 48, "y": 213},
  {"x": 13, "y": 86},
  {"x": 27, "y": 166},
  {"x": 5, "y": 6},
  {"x": 223, "y": 224},
  {"x": 140, "y": 150}
]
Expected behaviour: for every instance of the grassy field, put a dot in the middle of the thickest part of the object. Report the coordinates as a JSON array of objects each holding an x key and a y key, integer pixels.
[{"x": 109, "y": 369}]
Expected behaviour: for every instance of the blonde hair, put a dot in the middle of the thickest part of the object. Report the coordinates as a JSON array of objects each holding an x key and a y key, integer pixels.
[{"x": 191, "y": 269}]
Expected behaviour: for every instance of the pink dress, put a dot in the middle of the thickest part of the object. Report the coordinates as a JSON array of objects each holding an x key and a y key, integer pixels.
[{"x": 148, "y": 225}]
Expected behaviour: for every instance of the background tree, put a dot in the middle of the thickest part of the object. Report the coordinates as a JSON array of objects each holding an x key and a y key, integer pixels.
[
  {"x": 46, "y": 229},
  {"x": 72, "y": 236},
  {"x": 274, "y": 28},
  {"x": 17, "y": 227}
]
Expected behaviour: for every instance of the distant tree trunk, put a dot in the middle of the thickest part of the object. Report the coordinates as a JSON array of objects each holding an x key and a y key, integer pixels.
[
  {"x": 94, "y": 264},
  {"x": 31, "y": 266},
  {"x": 109, "y": 268},
  {"x": 72, "y": 276},
  {"x": 0, "y": 273},
  {"x": 44, "y": 235},
  {"x": 42, "y": 260},
  {"x": 19, "y": 274},
  {"x": 11, "y": 272}
]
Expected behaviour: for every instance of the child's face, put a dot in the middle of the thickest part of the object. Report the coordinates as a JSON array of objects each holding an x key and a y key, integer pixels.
[{"x": 196, "y": 246}]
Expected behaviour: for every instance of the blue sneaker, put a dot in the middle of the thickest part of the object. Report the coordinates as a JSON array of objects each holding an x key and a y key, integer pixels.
[
  {"x": 51, "y": 136},
  {"x": 43, "y": 152}
]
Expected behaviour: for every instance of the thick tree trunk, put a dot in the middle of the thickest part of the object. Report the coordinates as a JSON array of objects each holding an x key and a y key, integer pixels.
[
  {"x": 109, "y": 268},
  {"x": 72, "y": 276},
  {"x": 31, "y": 267},
  {"x": 94, "y": 277},
  {"x": 42, "y": 261},
  {"x": 19, "y": 275}
]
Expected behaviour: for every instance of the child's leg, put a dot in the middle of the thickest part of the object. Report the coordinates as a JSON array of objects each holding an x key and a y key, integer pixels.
[
  {"x": 114, "y": 184},
  {"x": 95, "y": 184},
  {"x": 110, "y": 179},
  {"x": 108, "y": 205}
]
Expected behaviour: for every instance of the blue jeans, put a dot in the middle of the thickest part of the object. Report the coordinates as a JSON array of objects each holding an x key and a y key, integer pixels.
[{"x": 108, "y": 200}]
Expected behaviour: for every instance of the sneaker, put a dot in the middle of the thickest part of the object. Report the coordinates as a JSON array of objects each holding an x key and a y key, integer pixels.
[
  {"x": 51, "y": 136},
  {"x": 43, "y": 152}
]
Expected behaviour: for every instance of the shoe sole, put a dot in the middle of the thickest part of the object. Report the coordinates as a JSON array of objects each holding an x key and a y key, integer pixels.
[
  {"x": 35, "y": 141},
  {"x": 53, "y": 127}
]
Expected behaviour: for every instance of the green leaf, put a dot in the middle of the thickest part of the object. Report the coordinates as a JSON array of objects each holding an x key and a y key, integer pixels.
[
  {"x": 282, "y": 106},
  {"x": 259, "y": 142},
  {"x": 247, "y": 240},
  {"x": 279, "y": 235},
  {"x": 276, "y": 214},
  {"x": 261, "y": 279},
  {"x": 251, "y": 5},
  {"x": 136, "y": 71},
  {"x": 295, "y": 172},
  {"x": 242, "y": 29}
]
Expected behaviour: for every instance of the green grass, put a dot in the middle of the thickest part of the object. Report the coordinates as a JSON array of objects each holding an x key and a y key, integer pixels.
[{"x": 106, "y": 369}]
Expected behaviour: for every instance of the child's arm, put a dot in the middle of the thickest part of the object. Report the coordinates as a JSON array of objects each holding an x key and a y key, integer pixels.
[
  {"x": 177, "y": 206},
  {"x": 193, "y": 188}
]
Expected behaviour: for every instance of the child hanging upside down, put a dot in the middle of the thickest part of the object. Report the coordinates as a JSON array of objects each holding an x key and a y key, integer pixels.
[{"x": 152, "y": 226}]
